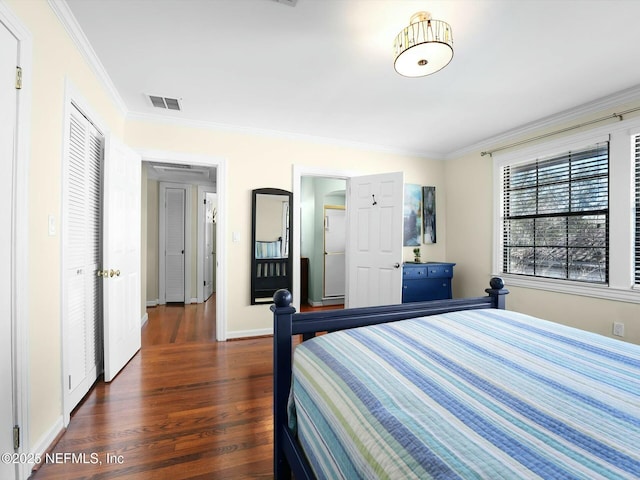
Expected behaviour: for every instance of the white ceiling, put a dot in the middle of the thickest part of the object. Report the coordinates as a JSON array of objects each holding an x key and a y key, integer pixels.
[{"x": 324, "y": 68}]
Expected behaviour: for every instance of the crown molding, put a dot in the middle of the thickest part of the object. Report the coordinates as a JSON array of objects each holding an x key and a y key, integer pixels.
[
  {"x": 596, "y": 106},
  {"x": 69, "y": 22},
  {"x": 181, "y": 122}
]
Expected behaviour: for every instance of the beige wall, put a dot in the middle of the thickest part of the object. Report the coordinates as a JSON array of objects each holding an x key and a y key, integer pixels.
[
  {"x": 254, "y": 161},
  {"x": 469, "y": 212},
  {"x": 152, "y": 242},
  {"x": 55, "y": 59},
  {"x": 464, "y": 207}
]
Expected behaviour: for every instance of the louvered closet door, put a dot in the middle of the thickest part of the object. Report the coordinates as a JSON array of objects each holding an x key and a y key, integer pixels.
[
  {"x": 82, "y": 301},
  {"x": 174, "y": 244}
]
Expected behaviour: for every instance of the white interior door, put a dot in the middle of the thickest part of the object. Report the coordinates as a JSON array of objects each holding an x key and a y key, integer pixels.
[
  {"x": 209, "y": 245},
  {"x": 121, "y": 286},
  {"x": 335, "y": 236},
  {"x": 374, "y": 240},
  {"x": 8, "y": 62},
  {"x": 175, "y": 200}
]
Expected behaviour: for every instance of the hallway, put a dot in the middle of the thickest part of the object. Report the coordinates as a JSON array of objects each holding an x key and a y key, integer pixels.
[{"x": 185, "y": 407}]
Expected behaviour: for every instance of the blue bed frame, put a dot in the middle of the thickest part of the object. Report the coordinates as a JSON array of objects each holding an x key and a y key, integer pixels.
[{"x": 288, "y": 456}]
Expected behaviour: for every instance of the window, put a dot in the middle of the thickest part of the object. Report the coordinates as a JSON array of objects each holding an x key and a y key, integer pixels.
[
  {"x": 637, "y": 209},
  {"x": 555, "y": 220}
]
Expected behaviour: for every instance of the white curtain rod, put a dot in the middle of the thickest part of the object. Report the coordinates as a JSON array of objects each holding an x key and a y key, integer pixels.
[{"x": 545, "y": 135}]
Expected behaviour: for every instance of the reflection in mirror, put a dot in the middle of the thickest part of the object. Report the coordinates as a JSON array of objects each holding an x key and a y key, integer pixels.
[{"x": 270, "y": 254}]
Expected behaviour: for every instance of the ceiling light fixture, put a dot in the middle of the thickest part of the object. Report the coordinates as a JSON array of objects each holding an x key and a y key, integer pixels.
[{"x": 424, "y": 47}]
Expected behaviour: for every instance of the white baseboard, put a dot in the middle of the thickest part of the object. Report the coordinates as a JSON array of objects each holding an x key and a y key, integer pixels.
[
  {"x": 327, "y": 301},
  {"x": 145, "y": 319},
  {"x": 332, "y": 301},
  {"x": 156, "y": 302},
  {"x": 261, "y": 332},
  {"x": 45, "y": 441}
]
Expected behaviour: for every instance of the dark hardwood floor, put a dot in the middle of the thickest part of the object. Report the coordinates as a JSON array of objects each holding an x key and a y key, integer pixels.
[{"x": 185, "y": 406}]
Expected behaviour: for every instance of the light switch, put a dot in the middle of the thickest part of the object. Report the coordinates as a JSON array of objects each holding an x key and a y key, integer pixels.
[
  {"x": 52, "y": 225},
  {"x": 235, "y": 237}
]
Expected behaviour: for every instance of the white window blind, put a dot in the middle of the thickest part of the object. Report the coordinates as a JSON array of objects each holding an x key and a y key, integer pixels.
[
  {"x": 556, "y": 216},
  {"x": 637, "y": 210}
]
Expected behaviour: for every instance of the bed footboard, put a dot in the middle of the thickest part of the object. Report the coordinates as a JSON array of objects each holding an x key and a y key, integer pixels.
[{"x": 288, "y": 457}]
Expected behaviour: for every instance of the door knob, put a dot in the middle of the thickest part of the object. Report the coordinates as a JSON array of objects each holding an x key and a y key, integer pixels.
[
  {"x": 102, "y": 273},
  {"x": 113, "y": 272},
  {"x": 396, "y": 265}
]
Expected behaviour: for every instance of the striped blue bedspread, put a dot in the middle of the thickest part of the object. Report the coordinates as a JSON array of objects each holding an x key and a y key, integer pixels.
[{"x": 477, "y": 394}]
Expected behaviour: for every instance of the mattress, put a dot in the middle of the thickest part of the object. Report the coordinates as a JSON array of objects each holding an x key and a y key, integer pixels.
[{"x": 476, "y": 394}]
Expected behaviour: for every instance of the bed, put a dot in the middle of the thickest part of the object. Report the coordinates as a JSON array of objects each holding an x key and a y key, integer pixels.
[{"x": 451, "y": 389}]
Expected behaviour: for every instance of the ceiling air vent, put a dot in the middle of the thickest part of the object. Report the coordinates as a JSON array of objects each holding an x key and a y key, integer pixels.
[
  {"x": 291, "y": 3},
  {"x": 165, "y": 102}
]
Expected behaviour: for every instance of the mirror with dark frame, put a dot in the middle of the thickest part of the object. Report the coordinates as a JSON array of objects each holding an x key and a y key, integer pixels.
[{"x": 271, "y": 256}]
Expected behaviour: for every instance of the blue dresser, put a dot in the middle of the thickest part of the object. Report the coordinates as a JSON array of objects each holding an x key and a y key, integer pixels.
[{"x": 426, "y": 281}]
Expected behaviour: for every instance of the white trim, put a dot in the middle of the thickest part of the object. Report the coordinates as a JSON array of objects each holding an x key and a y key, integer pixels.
[
  {"x": 221, "y": 225},
  {"x": 261, "y": 332},
  {"x": 47, "y": 439},
  {"x": 153, "y": 303},
  {"x": 188, "y": 199},
  {"x": 144, "y": 320},
  {"x": 569, "y": 287},
  {"x": 333, "y": 300},
  {"x": 552, "y": 121},
  {"x": 263, "y": 132},
  {"x": 69, "y": 22},
  {"x": 202, "y": 192},
  {"x": 621, "y": 220},
  {"x": 20, "y": 273}
]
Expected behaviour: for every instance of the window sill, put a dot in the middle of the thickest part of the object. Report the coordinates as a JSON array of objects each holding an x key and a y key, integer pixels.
[{"x": 630, "y": 295}]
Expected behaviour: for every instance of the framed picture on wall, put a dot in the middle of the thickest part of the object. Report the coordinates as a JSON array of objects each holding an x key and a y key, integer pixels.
[
  {"x": 412, "y": 215},
  {"x": 429, "y": 214}
]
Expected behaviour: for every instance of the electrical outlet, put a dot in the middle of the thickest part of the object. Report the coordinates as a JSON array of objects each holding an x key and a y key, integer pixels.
[{"x": 618, "y": 329}]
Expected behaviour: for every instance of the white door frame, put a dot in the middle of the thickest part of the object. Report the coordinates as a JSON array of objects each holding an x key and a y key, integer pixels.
[
  {"x": 202, "y": 192},
  {"x": 162, "y": 156},
  {"x": 300, "y": 171},
  {"x": 186, "y": 257},
  {"x": 20, "y": 277}
]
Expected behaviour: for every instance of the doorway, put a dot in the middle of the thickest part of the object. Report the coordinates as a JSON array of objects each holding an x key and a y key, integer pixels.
[
  {"x": 335, "y": 238},
  {"x": 204, "y": 175},
  {"x": 374, "y": 234},
  {"x": 313, "y": 190},
  {"x": 323, "y": 239}
]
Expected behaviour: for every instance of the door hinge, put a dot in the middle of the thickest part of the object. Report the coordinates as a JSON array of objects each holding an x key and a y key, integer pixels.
[
  {"x": 18, "y": 78},
  {"x": 205, "y": 201},
  {"x": 16, "y": 437}
]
